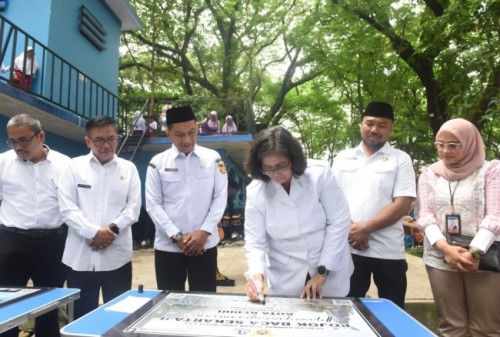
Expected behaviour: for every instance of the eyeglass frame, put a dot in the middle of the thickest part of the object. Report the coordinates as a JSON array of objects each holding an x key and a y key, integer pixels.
[
  {"x": 100, "y": 142},
  {"x": 272, "y": 172},
  {"x": 23, "y": 142},
  {"x": 448, "y": 146}
]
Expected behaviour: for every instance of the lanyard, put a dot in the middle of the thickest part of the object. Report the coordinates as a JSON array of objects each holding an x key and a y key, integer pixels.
[{"x": 452, "y": 195}]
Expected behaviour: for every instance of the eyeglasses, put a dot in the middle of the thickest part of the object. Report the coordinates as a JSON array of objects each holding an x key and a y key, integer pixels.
[
  {"x": 449, "y": 146},
  {"x": 23, "y": 141},
  {"x": 101, "y": 141},
  {"x": 279, "y": 169}
]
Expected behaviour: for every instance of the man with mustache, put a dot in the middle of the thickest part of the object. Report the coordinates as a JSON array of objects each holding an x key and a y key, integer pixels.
[
  {"x": 32, "y": 233},
  {"x": 100, "y": 198},
  {"x": 379, "y": 184}
]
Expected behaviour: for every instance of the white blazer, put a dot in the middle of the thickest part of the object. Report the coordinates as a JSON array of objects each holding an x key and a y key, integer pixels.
[{"x": 289, "y": 235}]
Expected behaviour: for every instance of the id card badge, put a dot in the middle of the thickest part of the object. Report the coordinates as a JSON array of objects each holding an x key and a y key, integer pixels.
[{"x": 453, "y": 224}]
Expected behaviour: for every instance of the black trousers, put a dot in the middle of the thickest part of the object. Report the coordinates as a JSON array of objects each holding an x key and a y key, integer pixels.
[
  {"x": 113, "y": 283},
  {"x": 22, "y": 258},
  {"x": 389, "y": 277},
  {"x": 172, "y": 270}
]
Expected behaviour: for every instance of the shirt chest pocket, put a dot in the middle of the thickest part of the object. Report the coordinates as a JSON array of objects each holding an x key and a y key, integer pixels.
[
  {"x": 170, "y": 177},
  {"x": 203, "y": 173},
  {"x": 171, "y": 186},
  {"x": 120, "y": 192},
  {"x": 349, "y": 165},
  {"x": 383, "y": 176},
  {"x": 385, "y": 168}
]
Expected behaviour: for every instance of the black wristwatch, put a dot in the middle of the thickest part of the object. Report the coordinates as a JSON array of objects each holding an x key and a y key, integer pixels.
[
  {"x": 114, "y": 228},
  {"x": 177, "y": 237},
  {"x": 322, "y": 271}
]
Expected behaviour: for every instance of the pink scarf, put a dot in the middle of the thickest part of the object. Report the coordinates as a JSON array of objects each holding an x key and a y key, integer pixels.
[{"x": 473, "y": 150}]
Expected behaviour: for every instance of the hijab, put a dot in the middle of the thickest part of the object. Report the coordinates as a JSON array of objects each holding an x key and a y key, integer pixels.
[
  {"x": 472, "y": 144},
  {"x": 211, "y": 124},
  {"x": 230, "y": 125}
]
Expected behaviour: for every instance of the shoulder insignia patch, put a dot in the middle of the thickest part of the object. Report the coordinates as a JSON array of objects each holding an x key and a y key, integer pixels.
[{"x": 221, "y": 166}]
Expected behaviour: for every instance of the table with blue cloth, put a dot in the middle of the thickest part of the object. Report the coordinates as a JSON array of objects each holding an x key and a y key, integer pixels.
[
  {"x": 162, "y": 313},
  {"x": 16, "y": 311}
]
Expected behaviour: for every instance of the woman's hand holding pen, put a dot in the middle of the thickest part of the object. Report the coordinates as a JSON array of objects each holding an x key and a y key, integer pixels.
[{"x": 254, "y": 288}]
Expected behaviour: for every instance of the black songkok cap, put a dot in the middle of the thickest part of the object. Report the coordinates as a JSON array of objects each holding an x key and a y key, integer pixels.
[
  {"x": 379, "y": 109},
  {"x": 180, "y": 114}
]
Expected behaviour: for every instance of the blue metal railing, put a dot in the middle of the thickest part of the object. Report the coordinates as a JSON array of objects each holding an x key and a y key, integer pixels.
[
  {"x": 57, "y": 81},
  {"x": 136, "y": 143}
]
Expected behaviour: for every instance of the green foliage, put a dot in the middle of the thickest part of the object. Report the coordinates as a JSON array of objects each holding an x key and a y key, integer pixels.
[{"x": 314, "y": 65}]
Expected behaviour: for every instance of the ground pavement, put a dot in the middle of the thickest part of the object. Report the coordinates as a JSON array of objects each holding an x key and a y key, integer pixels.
[{"x": 232, "y": 264}]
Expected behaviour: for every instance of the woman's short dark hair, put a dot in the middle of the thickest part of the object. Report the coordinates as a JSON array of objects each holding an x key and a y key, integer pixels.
[
  {"x": 100, "y": 122},
  {"x": 274, "y": 141}
]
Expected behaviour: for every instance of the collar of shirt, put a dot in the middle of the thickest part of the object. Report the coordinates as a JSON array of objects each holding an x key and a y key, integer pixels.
[
  {"x": 386, "y": 149},
  {"x": 48, "y": 158},
  {"x": 93, "y": 159},
  {"x": 177, "y": 153}
]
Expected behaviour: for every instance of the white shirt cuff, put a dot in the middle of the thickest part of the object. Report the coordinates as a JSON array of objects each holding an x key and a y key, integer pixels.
[
  {"x": 483, "y": 239},
  {"x": 433, "y": 233}
]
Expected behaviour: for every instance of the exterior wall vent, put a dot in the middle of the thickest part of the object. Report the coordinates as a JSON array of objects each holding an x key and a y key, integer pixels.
[{"x": 92, "y": 29}]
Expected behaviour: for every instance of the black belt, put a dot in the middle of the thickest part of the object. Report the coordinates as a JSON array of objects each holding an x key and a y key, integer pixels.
[{"x": 37, "y": 232}]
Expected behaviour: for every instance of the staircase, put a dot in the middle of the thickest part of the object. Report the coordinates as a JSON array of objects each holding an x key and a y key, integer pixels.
[{"x": 131, "y": 144}]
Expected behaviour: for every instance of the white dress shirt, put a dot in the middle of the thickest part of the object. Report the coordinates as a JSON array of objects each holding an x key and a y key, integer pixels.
[
  {"x": 289, "y": 235},
  {"x": 185, "y": 194},
  {"x": 30, "y": 62},
  {"x": 371, "y": 184},
  {"x": 92, "y": 196},
  {"x": 140, "y": 124},
  {"x": 28, "y": 191}
]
